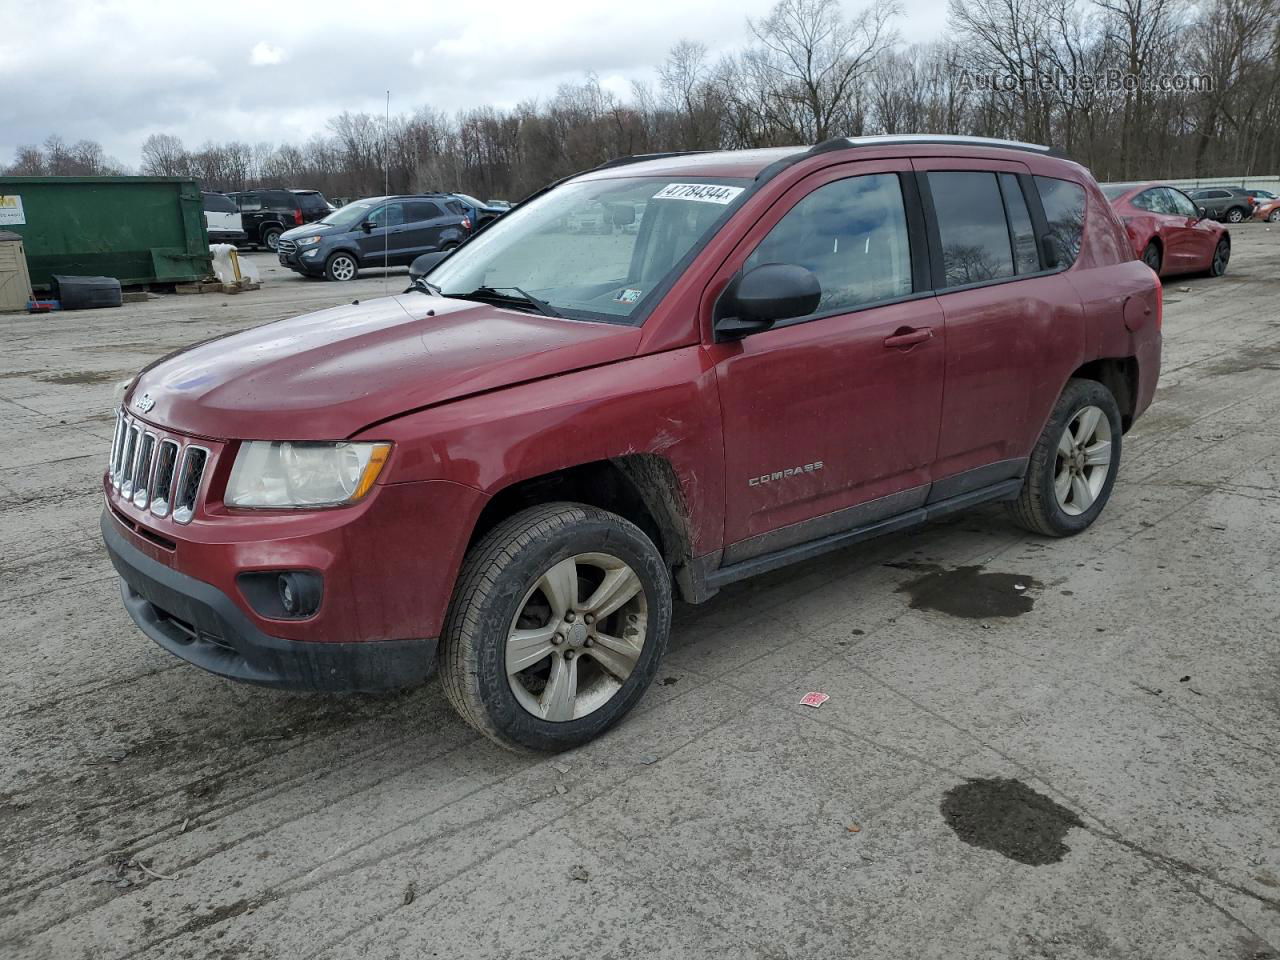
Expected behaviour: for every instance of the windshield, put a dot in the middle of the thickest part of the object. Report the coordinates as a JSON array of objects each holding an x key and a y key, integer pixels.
[
  {"x": 352, "y": 213},
  {"x": 595, "y": 249}
]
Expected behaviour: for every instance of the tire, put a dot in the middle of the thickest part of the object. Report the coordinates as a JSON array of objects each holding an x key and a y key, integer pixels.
[
  {"x": 1221, "y": 257},
  {"x": 1274, "y": 216},
  {"x": 500, "y": 590},
  {"x": 341, "y": 267},
  {"x": 271, "y": 238},
  {"x": 1040, "y": 506},
  {"x": 1235, "y": 215},
  {"x": 1152, "y": 258}
]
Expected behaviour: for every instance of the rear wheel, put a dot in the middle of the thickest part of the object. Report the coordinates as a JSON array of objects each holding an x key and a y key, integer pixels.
[
  {"x": 1151, "y": 257},
  {"x": 1074, "y": 464},
  {"x": 271, "y": 237},
  {"x": 341, "y": 266},
  {"x": 1221, "y": 255},
  {"x": 1274, "y": 216},
  {"x": 1235, "y": 215},
  {"x": 559, "y": 621}
]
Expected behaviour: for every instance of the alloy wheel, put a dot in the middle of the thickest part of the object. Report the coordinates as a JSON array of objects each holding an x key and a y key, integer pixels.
[
  {"x": 1083, "y": 460},
  {"x": 1235, "y": 216},
  {"x": 576, "y": 637},
  {"x": 342, "y": 268},
  {"x": 1220, "y": 257}
]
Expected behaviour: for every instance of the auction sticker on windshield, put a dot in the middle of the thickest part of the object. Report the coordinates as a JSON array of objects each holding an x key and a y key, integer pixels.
[{"x": 702, "y": 192}]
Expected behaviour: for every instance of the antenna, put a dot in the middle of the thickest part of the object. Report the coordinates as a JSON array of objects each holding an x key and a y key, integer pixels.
[{"x": 386, "y": 192}]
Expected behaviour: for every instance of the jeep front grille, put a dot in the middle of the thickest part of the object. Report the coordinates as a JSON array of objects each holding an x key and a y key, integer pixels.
[
  {"x": 142, "y": 470},
  {"x": 189, "y": 476},
  {"x": 157, "y": 472},
  {"x": 162, "y": 484}
]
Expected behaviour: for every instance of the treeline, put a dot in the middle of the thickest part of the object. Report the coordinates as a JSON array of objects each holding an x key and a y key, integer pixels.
[{"x": 1204, "y": 100}]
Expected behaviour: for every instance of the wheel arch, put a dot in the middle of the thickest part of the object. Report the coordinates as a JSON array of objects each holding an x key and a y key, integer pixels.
[
  {"x": 1120, "y": 376},
  {"x": 641, "y": 487}
]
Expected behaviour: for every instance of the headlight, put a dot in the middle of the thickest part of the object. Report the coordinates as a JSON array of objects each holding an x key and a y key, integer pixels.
[
  {"x": 308, "y": 241},
  {"x": 303, "y": 473}
]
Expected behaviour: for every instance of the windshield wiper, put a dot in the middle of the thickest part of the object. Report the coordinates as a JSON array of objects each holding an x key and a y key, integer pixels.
[{"x": 490, "y": 294}]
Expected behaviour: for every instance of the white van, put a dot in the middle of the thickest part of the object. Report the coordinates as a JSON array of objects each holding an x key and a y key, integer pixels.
[{"x": 222, "y": 217}]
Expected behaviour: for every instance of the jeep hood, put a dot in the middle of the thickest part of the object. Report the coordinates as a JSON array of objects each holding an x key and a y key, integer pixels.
[{"x": 327, "y": 375}]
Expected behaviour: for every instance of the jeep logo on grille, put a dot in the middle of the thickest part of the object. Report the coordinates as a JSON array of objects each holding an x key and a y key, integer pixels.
[{"x": 144, "y": 403}]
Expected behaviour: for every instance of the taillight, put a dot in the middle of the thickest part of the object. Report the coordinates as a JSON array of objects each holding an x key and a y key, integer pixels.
[
  {"x": 297, "y": 217},
  {"x": 1159, "y": 306},
  {"x": 466, "y": 223}
]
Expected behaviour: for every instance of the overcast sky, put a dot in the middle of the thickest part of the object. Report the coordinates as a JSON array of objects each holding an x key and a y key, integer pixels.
[{"x": 119, "y": 71}]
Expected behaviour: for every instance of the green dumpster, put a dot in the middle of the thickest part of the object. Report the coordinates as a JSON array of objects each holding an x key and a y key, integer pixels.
[{"x": 136, "y": 229}]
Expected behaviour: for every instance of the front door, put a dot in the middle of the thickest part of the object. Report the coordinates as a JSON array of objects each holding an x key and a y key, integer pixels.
[
  {"x": 831, "y": 420},
  {"x": 383, "y": 241}
]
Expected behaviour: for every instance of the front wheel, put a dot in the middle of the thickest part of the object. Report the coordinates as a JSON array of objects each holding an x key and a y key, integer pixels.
[
  {"x": 1221, "y": 256},
  {"x": 559, "y": 620},
  {"x": 341, "y": 266},
  {"x": 1074, "y": 464},
  {"x": 1274, "y": 216}
]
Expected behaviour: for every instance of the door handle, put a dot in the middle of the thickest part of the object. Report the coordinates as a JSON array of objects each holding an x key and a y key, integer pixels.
[{"x": 908, "y": 337}]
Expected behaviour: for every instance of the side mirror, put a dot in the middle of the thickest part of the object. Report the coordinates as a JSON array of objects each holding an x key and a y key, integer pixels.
[
  {"x": 1049, "y": 250},
  {"x": 756, "y": 300},
  {"x": 424, "y": 264},
  {"x": 1201, "y": 212},
  {"x": 367, "y": 226}
]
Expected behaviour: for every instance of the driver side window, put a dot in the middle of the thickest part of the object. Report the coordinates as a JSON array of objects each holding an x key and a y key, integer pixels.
[
  {"x": 1182, "y": 204},
  {"x": 852, "y": 234},
  {"x": 388, "y": 215}
]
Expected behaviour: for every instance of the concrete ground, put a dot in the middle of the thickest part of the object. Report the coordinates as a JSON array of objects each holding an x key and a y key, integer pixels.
[{"x": 1086, "y": 767}]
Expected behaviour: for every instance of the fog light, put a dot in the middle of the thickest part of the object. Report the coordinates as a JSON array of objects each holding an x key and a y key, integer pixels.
[
  {"x": 282, "y": 594},
  {"x": 288, "y": 599}
]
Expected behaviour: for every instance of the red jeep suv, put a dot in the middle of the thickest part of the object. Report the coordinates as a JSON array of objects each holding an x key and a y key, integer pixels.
[{"x": 511, "y": 469}]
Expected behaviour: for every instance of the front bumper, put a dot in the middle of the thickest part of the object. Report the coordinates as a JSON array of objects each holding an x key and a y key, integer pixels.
[
  {"x": 294, "y": 260},
  {"x": 196, "y": 621}
]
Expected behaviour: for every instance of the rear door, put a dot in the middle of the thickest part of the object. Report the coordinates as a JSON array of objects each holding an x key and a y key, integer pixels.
[
  {"x": 1014, "y": 329},
  {"x": 423, "y": 223},
  {"x": 831, "y": 420}
]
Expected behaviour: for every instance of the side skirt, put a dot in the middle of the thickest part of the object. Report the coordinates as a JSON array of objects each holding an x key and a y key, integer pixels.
[{"x": 713, "y": 580}]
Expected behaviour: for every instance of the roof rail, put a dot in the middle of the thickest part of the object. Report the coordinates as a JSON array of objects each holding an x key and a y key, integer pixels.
[
  {"x": 908, "y": 139},
  {"x": 641, "y": 157}
]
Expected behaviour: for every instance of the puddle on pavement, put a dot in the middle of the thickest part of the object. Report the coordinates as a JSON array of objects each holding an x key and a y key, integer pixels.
[
  {"x": 968, "y": 592},
  {"x": 1010, "y": 818}
]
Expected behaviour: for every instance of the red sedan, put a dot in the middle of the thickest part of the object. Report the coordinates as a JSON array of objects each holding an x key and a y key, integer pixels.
[{"x": 1168, "y": 231}]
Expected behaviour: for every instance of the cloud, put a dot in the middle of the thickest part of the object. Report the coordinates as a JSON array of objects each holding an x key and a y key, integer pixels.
[
  {"x": 266, "y": 54},
  {"x": 152, "y": 77}
]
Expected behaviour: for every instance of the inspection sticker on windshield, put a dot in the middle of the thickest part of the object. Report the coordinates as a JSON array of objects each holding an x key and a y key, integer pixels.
[
  {"x": 629, "y": 295},
  {"x": 702, "y": 192}
]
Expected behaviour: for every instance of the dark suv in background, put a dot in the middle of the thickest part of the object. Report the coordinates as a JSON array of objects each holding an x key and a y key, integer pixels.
[
  {"x": 1231, "y": 204},
  {"x": 268, "y": 213},
  {"x": 378, "y": 231}
]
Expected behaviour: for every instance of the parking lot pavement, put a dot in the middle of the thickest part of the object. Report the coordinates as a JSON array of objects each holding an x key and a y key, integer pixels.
[{"x": 1085, "y": 767}]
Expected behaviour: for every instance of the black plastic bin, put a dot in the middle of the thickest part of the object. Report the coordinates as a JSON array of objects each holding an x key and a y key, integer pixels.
[{"x": 86, "y": 293}]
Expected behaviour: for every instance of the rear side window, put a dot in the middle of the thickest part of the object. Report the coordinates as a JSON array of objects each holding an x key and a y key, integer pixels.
[
  {"x": 1063, "y": 203},
  {"x": 217, "y": 203},
  {"x": 312, "y": 204},
  {"x": 852, "y": 234},
  {"x": 1026, "y": 259},
  {"x": 456, "y": 208},
  {"x": 972, "y": 227},
  {"x": 279, "y": 200},
  {"x": 416, "y": 211},
  {"x": 250, "y": 202}
]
